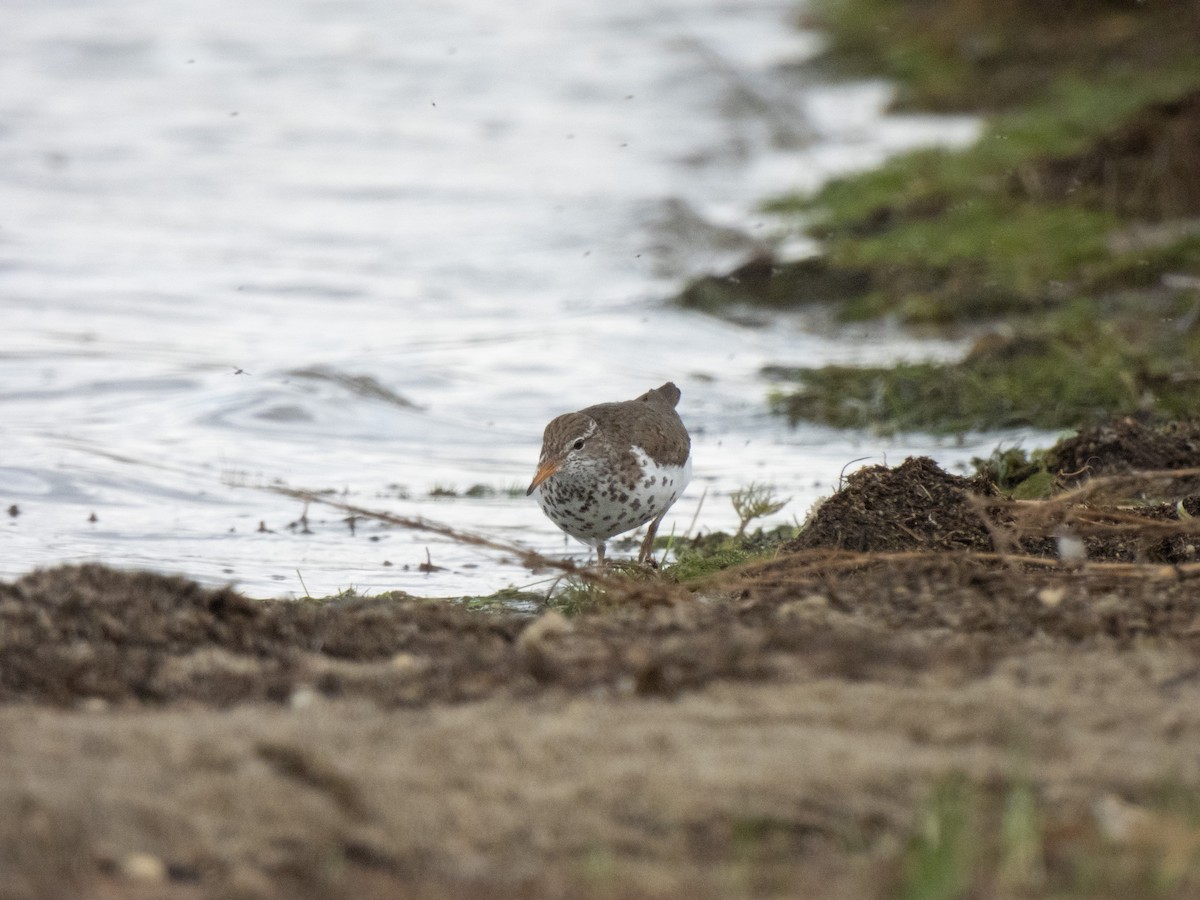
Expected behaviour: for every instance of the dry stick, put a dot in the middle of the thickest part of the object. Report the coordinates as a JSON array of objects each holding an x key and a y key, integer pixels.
[
  {"x": 1033, "y": 515},
  {"x": 1070, "y": 506},
  {"x": 529, "y": 558},
  {"x": 837, "y": 560},
  {"x": 1001, "y": 541},
  {"x": 789, "y": 125},
  {"x": 1097, "y": 484},
  {"x": 699, "y": 506}
]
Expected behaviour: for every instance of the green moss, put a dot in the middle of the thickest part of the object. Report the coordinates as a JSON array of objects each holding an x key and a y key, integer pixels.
[
  {"x": 703, "y": 556},
  {"x": 963, "y": 54},
  {"x": 695, "y": 564},
  {"x": 506, "y": 600},
  {"x": 1081, "y": 369},
  {"x": 1017, "y": 246},
  {"x": 694, "y": 559},
  {"x": 924, "y": 184},
  {"x": 352, "y": 594},
  {"x": 1009, "y": 224},
  {"x": 1020, "y": 226},
  {"x": 1037, "y": 486},
  {"x": 1170, "y": 251},
  {"x": 980, "y": 258},
  {"x": 763, "y": 282},
  {"x": 1073, "y": 111},
  {"x": 575, "y": 596},
  {"x": 1084, "y": 183},
  {"x": 1020, "y": 474}
]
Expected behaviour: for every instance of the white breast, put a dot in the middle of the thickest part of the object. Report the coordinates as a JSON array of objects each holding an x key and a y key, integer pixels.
[{"x": 593, "y": 510}]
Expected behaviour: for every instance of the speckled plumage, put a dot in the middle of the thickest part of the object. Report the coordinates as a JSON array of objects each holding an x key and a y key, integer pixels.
[{"x": 612, "y": 467}]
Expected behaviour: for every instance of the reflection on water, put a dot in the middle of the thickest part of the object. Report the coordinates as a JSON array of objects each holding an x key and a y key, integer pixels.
[{"x": 373, "y": 247}]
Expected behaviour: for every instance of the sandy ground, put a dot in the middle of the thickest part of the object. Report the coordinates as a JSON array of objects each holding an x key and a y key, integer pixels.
[{"x": 813, "y": 725}]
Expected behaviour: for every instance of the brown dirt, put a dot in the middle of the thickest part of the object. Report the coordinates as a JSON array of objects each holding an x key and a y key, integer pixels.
[
  {"x": 765, "y": 281},
  {"x": 1149, "y": 168},
  {"x": 914, "y": 506},
  {"x": 1127, "y": 445},
  {"x": 776, "y": 733}
]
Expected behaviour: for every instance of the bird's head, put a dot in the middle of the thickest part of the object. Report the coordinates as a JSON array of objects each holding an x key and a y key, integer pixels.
[{"x": 565, "y": 446}]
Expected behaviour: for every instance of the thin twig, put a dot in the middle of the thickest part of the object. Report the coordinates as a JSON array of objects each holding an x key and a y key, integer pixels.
[{"x": 529, "y": 558}]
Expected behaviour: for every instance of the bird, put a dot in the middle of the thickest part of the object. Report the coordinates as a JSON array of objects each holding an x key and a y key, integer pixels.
[{"x": 612, "y": 467}]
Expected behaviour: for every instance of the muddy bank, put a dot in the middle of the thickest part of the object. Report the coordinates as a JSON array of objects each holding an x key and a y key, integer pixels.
[{"x": 789, "y": 727}]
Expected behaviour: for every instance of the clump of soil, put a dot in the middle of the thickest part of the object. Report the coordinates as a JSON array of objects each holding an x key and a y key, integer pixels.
[
  {"x": 73, "y": 633},
  {"x": 914, "y": 506},
  {"x": 1127, "y": 444},
  {"x": 917, "y": 506}
]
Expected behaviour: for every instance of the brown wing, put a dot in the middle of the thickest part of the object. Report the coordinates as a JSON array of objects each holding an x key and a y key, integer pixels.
[{"x": 650, "y": 422}]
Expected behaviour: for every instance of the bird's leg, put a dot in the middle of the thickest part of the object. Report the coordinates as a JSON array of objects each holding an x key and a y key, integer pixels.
[
  {"x": 648, "y": 542},
  {"x": 600, "y": 553}
]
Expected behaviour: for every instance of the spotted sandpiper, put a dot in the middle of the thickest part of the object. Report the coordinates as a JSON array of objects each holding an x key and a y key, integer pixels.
[{"x": 612, "y": 467}]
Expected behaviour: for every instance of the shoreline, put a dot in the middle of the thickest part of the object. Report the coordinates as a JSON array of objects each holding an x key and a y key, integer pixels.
[{"x": 792, "y": 722}]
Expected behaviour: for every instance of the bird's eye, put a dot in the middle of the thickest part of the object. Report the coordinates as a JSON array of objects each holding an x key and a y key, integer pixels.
[{"x": 578, "y": 445}]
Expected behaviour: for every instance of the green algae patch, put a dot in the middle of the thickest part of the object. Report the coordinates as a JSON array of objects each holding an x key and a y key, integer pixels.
[
  {"x": 695, "y": 559},
  {"x": 979, "y": 258},
  {"x": 962, "y": 55},
  {"x": 1071, "y": 226},
  {"x": 765, "y": 283},
  {"x": 703, "y": 556},
  {"x": 696, "y": 564},
  {"x": 1081, "y": 369},
  {"x": 1093, "y": 187},
  {"x": 352, "y": 594},
  {"x": 1018, "y": 473},
  {"x": 1030, "y": 152},
  {"x": 507, "y": 600},
  {"x": 1040, "y": 207},
  {"x": 1116, "y": 447}
]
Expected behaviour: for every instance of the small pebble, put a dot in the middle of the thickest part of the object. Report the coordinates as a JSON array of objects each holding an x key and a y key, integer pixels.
[
  {"x": 302, "y": 698},
  {"x": 1051, "y": 596},
  {"x": 144, "y": 867},
  {"x": 548, "y": 623}
]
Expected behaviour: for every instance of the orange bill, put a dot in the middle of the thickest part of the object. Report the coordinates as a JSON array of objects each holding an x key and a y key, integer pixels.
[{"x": 545, "y": 470}]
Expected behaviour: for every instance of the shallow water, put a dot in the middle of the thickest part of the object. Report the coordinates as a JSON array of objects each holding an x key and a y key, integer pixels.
[{"x": 374, "y": 247}]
